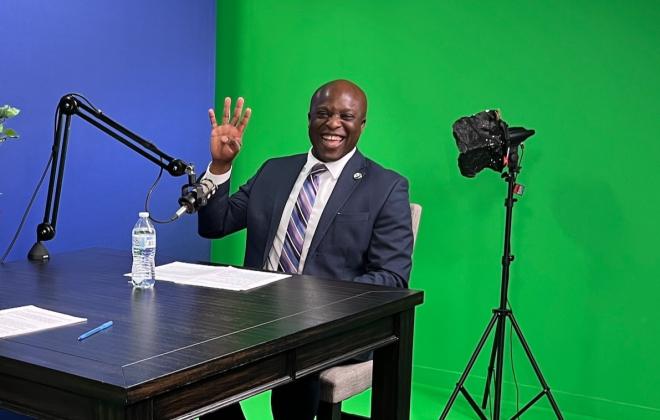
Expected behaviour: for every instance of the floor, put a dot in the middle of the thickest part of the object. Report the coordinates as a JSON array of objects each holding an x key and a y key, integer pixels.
[{"x": 427, "y": 404}]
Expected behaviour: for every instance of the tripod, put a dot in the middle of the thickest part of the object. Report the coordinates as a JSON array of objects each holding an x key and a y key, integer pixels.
[{"x": 500, "y": 315}]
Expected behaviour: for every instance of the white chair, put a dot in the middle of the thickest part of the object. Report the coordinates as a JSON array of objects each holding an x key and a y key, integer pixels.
[{"x": 342, "y": 382}]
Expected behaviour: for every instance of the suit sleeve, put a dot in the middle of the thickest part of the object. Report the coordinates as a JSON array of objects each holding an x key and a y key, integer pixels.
[
  {"x": 389, "y": 256},
  {"x": 223, "y": 214}
]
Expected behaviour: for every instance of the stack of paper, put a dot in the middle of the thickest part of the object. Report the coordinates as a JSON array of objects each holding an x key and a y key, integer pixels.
[
  {"x": 28, "y": 319},
  {"x": 229, "y": 278}
]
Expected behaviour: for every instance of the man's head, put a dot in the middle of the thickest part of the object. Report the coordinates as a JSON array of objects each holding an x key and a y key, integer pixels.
[{"x": 337, "y": 115}]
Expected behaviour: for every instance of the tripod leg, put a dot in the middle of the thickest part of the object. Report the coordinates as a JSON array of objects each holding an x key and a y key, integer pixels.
[
  {"x": 491, "y": 365},
  {"x": 466, "y": 372},
  {"x": 501, "y": 327},
  {"x": 537, "y": 370}
]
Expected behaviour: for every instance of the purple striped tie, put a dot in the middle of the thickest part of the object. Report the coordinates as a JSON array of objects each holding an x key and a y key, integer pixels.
[{"x": 295, "y": 231}]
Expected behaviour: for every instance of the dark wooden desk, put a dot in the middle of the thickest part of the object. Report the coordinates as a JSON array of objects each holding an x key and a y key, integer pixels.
[{"x": 180, "y": 351}]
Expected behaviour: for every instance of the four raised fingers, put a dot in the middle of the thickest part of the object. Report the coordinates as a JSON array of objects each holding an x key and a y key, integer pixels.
[{"x": 240, "y": 122}]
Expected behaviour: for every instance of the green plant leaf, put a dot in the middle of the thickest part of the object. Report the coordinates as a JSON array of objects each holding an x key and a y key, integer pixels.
[
  {"x": 7, "y": 111},
  {"x": 11, "y": 133}
]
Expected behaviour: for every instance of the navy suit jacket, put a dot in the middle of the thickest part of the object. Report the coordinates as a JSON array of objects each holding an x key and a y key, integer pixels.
[{"x": 365, "y": 230}]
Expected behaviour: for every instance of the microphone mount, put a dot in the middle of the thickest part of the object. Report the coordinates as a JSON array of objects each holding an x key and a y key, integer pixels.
[
  {"x": 195, "y": 195},
  {"x": 74, "y": 104}
]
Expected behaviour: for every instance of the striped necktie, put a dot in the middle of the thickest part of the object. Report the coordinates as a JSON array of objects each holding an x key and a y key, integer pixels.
[{"x": 295, "y": 231}]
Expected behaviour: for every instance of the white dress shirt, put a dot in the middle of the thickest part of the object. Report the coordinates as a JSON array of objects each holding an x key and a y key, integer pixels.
[{"x": 327, "y": 181}]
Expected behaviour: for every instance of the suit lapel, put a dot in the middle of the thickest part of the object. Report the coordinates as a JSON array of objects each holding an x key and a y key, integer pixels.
[
  {"x": 286, "y": 177},
  {"x": 343, "y": 189}
]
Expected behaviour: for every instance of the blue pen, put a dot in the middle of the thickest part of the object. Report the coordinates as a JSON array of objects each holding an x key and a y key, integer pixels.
[{"x": 95, "y": 330}]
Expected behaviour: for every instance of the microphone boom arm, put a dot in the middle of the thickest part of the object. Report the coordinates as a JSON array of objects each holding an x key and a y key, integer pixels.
[{"x": 69, "y": 106}]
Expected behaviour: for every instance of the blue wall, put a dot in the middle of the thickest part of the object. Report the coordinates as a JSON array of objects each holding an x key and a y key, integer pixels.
[{"x": 148, "y": 65}]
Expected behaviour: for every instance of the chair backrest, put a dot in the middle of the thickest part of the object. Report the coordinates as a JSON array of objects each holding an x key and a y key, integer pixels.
[{"x": 416, "y": 213}]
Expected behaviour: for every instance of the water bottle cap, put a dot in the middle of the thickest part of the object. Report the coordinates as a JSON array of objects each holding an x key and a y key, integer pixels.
[{"x": 143, "y": 214}]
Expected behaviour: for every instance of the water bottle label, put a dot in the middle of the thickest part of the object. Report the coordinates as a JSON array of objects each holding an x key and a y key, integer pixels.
[
  {"x": 150, "y": 242},
  {"x": 146, "y": 241}
]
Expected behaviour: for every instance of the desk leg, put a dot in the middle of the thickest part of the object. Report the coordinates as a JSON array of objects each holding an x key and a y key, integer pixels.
[{"x": 390, "y": 398}]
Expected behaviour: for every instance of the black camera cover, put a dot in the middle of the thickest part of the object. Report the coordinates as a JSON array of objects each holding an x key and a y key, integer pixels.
[{"x": 480, "y": 139}]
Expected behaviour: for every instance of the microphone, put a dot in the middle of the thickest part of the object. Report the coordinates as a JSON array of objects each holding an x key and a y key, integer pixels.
[{"x": 194, "y": 196}]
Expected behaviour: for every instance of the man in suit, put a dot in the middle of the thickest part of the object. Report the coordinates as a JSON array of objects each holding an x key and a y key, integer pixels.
[{"x": 330, "y": 212}]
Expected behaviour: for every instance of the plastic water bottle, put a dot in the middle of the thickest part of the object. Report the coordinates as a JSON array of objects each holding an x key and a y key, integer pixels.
[{"x": 144, "y": 253}]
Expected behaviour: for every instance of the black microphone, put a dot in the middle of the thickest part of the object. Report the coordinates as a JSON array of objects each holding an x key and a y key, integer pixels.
[{"x": 194, "y": 196}]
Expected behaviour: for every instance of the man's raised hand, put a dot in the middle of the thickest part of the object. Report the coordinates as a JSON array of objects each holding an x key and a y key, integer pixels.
[{"x": 227, "y": 138}]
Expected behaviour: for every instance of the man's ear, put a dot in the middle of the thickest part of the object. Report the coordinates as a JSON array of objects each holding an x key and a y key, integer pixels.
[
  {"x": 309, "y": 118},
  {"x": 364, "y": 123}
]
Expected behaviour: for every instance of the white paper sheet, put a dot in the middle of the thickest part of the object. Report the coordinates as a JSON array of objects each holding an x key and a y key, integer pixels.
[
  {"x": 228, "y": 278},
  {"x": 28, "y": 319}
]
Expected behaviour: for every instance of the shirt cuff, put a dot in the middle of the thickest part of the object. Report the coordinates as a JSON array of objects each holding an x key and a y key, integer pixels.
[{"x": 216, "y": 179}]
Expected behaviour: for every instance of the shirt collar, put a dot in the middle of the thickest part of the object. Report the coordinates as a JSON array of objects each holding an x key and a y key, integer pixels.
[{"x": 334, "y": 168}]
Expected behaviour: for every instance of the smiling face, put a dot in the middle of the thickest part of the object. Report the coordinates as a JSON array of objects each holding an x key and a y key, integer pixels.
[{"x": 337, "y": 115}]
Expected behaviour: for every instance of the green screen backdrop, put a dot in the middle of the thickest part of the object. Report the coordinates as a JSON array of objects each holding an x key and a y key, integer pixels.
[{"x": 585, "y": 283}]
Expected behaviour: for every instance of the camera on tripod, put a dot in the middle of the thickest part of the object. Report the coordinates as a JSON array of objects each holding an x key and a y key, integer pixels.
[{"x": 486, "y": 141}]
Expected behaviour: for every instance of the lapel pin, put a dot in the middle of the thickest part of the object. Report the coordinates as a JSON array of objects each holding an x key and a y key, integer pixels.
[{"x": 357, "y": 175}]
